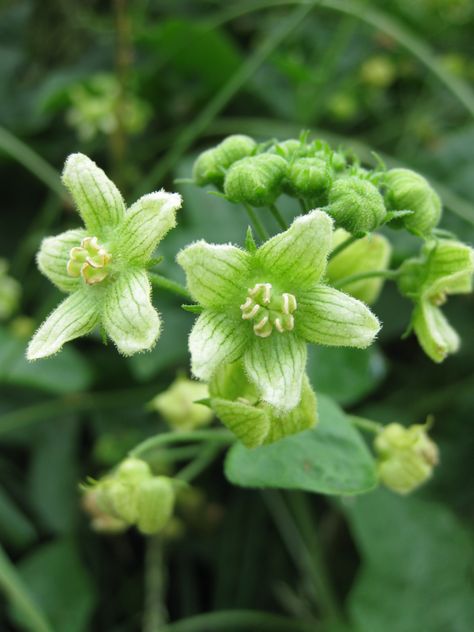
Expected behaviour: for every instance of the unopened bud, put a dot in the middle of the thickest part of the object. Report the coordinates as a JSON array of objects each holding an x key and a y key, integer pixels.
[
  {"x": 406, "y": 457},
  {"x": 155, "y": 503},
  {"x": 255, "y": 180},
  {"x": 309, "y": 178},
  {"x": 356, "y": 205},
  {"x": 211, "y": 166},
  {"x": 177, "y": 407}
]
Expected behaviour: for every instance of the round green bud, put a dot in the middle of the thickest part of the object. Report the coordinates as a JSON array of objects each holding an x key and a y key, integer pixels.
[
  {"x": 289, "y": 149},
  {"x": 406, "y": 457},
  {"x": 338, "y": 161},
  {"x": 409, "y": 191},
  {"x": 155, "y": 500},
  {"x": 308, "y": 178},
  {"x": 133, "y": 470},
  {"x": 10, "y": 291},
  {"x": 211, "y": 165},
  {"x": 356, "y": 205},
  {"x": 177, "y": 407},
  {"x": 101, "y": 521},
  {"x": 255, "y": 180}
]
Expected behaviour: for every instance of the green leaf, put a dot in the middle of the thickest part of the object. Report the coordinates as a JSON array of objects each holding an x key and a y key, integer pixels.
[
  {"x": 330, "y": 459},
  {"x": 15, "y": 528},
  {"x": 417, "y": 569},
  {"x": 346, "y": 375},
  {"x": 57, "y": 579},
  {"x": 67, "y": 372}
]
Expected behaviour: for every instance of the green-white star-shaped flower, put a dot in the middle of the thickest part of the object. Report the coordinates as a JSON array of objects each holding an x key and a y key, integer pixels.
[
  {"x": 445, "y": 267},
  {"x": 263, "y": 305},
  {"x": 103, "y": 266}
]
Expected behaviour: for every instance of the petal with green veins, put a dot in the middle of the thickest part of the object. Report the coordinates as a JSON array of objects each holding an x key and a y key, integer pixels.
[
  {"x": 216, "y": 274},
  {"x": 329, "y": 317},
  {"x": 128, "y": 315},
  {"x": 215, "y": 339},
  {"x": 53, "y": 258},
  {"x": 76, "y": 316},
  {"x": 276, "y": 366},
  {"x": 298, "y": 256},
  {"x": 145, "y": 224},
  {"x": 450, "y": 268},
  {"x": 436, "y": 336},
  {"x": 98, "y": 200},
  {"x": 250, "y": 424}
]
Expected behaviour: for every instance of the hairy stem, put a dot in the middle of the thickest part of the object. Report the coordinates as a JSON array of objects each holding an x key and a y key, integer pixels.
[
  {"x": 278, "y": 217},
  {"x": 207, "y": 455},
  {"x": 167, "y": 284},
  {"x": 155, "y": 614},
  {"x": 361, "y": 276},
  {"x": 221, "y": 436},
  {"x": 365, "y": 424},
  {"x": 342, "y": 246},
  {"x": 256, "y": 223}
]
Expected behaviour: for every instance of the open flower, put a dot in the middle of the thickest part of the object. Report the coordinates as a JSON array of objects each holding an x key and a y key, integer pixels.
[
  {"x": 263, "y": 306},
  {"x": 444, "y": 267},
  {"x": 103, "y": 266}
]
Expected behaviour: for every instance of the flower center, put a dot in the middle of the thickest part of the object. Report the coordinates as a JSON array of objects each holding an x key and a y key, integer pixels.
[
  {"x": 89, "y": 260},
  {"x": 269, "y": 309},
  {"x": 438, "y": 299}
]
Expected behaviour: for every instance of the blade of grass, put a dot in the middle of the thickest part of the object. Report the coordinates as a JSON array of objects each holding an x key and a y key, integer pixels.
[
  {"x": 240, "y": 620},
  {"x": 17, "y": 593}
]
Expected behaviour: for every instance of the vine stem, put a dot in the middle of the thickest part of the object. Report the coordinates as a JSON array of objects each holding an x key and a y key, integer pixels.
[
  {"x": 366, "y": 424},
  {"x": 342, "y": 246},
  {"x": 12, "y": 585},
  {"x": 167, "y": 284},
  {"x": 221, "y": 436},
  {"x": 200, "y": 463},
  {"x": 256, "y": 223},
  {"x": 155, "y": 614},
  {"x": 278, "y": 217},
  {"x": 361, "y": 276}
]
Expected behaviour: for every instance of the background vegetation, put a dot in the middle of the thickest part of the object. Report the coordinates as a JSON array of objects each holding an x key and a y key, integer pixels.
[{"x": 142, "y": 87}]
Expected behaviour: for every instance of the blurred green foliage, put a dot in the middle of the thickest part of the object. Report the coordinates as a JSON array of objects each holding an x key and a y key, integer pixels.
[{"x": 394, "y": 78}]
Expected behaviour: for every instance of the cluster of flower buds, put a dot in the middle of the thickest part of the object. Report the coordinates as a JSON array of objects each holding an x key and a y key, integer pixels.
[
  {"x": 406, "y": 456},
  {"x": 131, "y": 496},
  {"x": 178, "y": 405}
]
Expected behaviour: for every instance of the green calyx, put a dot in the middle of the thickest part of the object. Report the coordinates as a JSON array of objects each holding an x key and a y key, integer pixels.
[{"x": 269, "y": 310}]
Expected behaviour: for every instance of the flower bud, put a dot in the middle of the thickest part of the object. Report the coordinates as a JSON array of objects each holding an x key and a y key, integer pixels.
[
  {"x": 409, "y": 191},
  {"x": 155, "y": 499},
  {"x": 309, "y": 178},
  {"x": 255, "y": 180},
  {"x": 177, "y": 407},
  {"x": 365, "y": 255},
  {"x": 132, "y": 471},
  {"x": 10, "y": 291},
  {"x": 211, "y": 165},
  {"x": 356, "y": 205},
  {"x": 289, "y": 149},
  {"x": 101, "y": 521},
  {"x": 406, "y": 457}
]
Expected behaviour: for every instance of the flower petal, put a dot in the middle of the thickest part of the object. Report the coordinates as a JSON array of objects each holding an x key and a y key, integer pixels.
[
  {"x": 450, "y": 268},
  {"x": 250, "y": 424},
  {"x": 329, "y": 317},
  {"x": 299, "y": 255},
  {"x": 53, "y": 257},
  {"x": 76, "y": 316},
  {"x": 216, "y": 274},
  {"x": 128, "y": 315},
  {"x": 215, "y": 339},
  {"x": 97, "y": 198},
  {"x": 276, "y": 366},
  {"x": 145, "y": 224},
  {"x": 436, "y": 336}
]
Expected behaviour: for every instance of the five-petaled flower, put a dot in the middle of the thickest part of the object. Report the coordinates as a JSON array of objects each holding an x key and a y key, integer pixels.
[
  {"x": 265, "y": 304},
  {"x": 444, "y": 267},
  {"x": 103, "y": 266}
]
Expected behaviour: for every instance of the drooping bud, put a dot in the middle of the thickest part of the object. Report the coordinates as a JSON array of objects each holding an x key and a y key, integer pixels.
[
  {"x": 406, "y": 457},
  {"x": 177, "y": 406},
  {"x": 101, "y": 521},
  {"x": 155, "y": 500},
  {"x": 365, "y": 255},
  {"x": 409, "y": 191},
  {"x": 210, "y": 166},
  {"x": 255, "y": 180},
  {"x": 239, "y": 406},
  {"x": 89, "y": 260},
  {"x": 309, "y": 178},
  {"x": 356, "y": 205}
]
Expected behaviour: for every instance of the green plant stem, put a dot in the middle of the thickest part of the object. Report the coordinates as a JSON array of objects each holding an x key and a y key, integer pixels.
[
  {"x": 342, "y": 246},
  {"x": 200, "y": 122},
  {"x": 17, "y": 593},
  {"x": 221, "y": 436},
  {"x": 251, "y": 620},
  {"x": 22, "y": 153},
  {"x": 155, "y": 614},
  {"x": 207, "y": 455},
  {"x": 278, "y": 217},
  {"x": 167, "y": 284},
  {"x": 302, "y": 557},
  {"x": 256, "y": 223},
  {"x": 365, "y": 424},
  {"x": 361, "y": 276}
]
